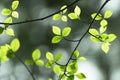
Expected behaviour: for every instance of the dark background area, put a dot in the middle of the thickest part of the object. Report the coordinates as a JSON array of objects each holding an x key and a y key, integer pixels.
[{"x": 99, "y": 66}]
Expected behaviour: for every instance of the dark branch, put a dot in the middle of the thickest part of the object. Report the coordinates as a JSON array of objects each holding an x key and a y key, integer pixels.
[{"x": 39, "y": 19}]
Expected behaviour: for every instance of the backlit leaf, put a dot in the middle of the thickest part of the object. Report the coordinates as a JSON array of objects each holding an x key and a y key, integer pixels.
[
  {"x": 77, "y": 10},
  {"x": 94, "y": 39},
  {"x": 8, "y": 20},
  {"x": 49, "y": 56},
  {"x": 93, "y": 32},
  {"x": 15, "y": 14},
  {"x": 108, "y": 14},
  {"x": 66, "y": 31},
  {"x": 64, "y": 18},
  {"x": 49, "y": 64},
  {"x": 73, "y": 16},
  {"x": 105, "y": 47},
  {"x": 103, "y": 29},
  {"x": 103, "y": 23},
  {"x": 58, "y": 57},
  {"x": 39, "y": 62},
  {"x": 56, "y": 39},
  {"x": 56, "y": 69},
  {"x": 82, "y": 58},
  {"x": 29, "y": 62},
  {"x": 10, "y": 32},
  {"x": 76, "y": 53},
  {"x": 111, "y": 37},
  {"x": 56, "y": 17},
  {"x": 6, "y": 11},
  {"x": 15, "y": 4},
  {"x": 56, "y": 30},
  {"x": 99, "y": 16},
  {"x": 15, "y": 44},
  {"x": 81, "y": 76},
  {"x": 36, "y": 54},
  {"x": 64, "y": 11}
]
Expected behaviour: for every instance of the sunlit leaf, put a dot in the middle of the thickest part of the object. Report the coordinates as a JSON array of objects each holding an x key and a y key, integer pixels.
[
  {"x": 73, "y": 16},
  {"x": 64, "y": 11},
  {"x": 6, "y": 11},
  {"x": 15, "y": 44},
  {"x": 94, "y": 39},
  {"x": 82, "y": 58},
  {"x": 66, "y": 31},
  {"x": 10, "y": 32},
  {"x": 64, "y": 18},
  {"x": 50, "y": 79},
  {"x": 8, "y": 20},
  {"x": 108, "y": 14},
  {"x": 103, "y": 23},
  {"x": 104, "y": 37},
  {"x": 29, "y": 62},
  {"x": 56, "y": 39},
  {"x": 77, "y": 10},
  {"x": 57, "y": 17},
  {"x": 93, "y": 32},
  {"x": 49, "y": 64},
  {"x": 15, "y": 14},
  {"x": 58, "y": 57},
  {"x": 105, "y": 47},
  {"x": 15, "y": 4},
  {"x": 103, "y": 29},
  {"x": 111, "y": 37},
  {"x": 99, "y": 16},
  {"x": 36, "y": 54},
  {"x": 76, "y": 53},
  {"x": 70, "y": 78},
  {"x": 56, "y": 30},
  {"x": 56, "y": 69},
  {"x": 80, "y": 76},
  {"x": 49, "y": 56},
  {"x": 39, "y": 62}
]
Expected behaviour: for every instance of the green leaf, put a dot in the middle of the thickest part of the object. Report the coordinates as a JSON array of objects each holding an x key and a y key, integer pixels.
[
  {"x": 29, "y": 62},
  {"x": 57, "y": 17},
  {"x": 102, "y": 29},
  {"x": 64, "y": 11},
  {"x": 70, "y": 78},
  {"x": 103, "y": 23},
  {"x": 105, "y": 47},
  {"x": 56, "y": 30},
  {"x": 94, "y": 39},
  {"x": 111, "y": 37},
  {"x": 93, "y": 32},
  {"x": 99, "y": 16},
  {"x": 56, "y": 69},
  {"x": 108, "y": 14},
  {"x": 8, "y": 20},
  {"x": 36, "y": 54},
  {"x": 73, "y": 16},
  {"x": 49, "y": 56},
  {"x": 15, "y": 5},
  {"x": 49, "y": 64},
  {"x": 10, "y": 54},
  {"x": 82, "y": 58},
  {"x": 10, "y": 32},
  {"x": 104, "y": 37},
  {"x": 15, "y": 14},
  {"x": 77, "y": 10},
  {"x": 64, "y": 18},
  {"x": 39, "y": 62},
  {"x": 76, "y": 53},
  {"x": 6, "y": 11},
  {"x": 66, "y": 31},
  {"x": 50, "y": 79},
  {"x": 80, "y": 76},
  {"x": 15, "y": 44},
  {"x": 58, "y": 57},
  {"x": 1, "y": 30},
  {"x": 56, "y": 39}
]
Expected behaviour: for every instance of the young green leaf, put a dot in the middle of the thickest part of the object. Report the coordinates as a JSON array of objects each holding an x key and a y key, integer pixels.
[
  {"x": 82, "y": 58},
  {"x": 93, "y": 32},
  {"x": 39, "y": 62},
  {"x": 66, "y": 31},
  {"x": 29, "y": 62},
  {"x": 70, "y": 78},
  {"x": 111, "y": 37},
  {"x": 102, "y": 29},
  {"x": 15, "y": 4},
  {"x": 57, "y": 17},
  {"x": 15, "y": 44},
  {"x": 76, "y": 53},
  {"x": 49, "y": 64},
  {"x": 56, "y": 39},
  {"x": 105, "y": 47},
  {"x": 56, "y": 69},
  {"x": 108, "y": 14},
  {"x": 104, "y": 37},
  {"x": 1, "y": 30},
  {"x": 73, "y": 16},
  {"x": 58, "y": 57},
  {"x": 56, "y": 30},
  {"x": 94, "y": 39},
  {"x": 50, "y": 79},
  {"x": 64, "y": 18},
  {"x": 8, "y": 20},
  {"x": 36, "y": 54},
  {"x": 49, "y": 56},
  {"x": 15, "y": 14},
  {"x": 77, "y": 11},
  {"x": 6, "y": 11},
  {"x": 10, "y": 32},
  {"x": 103, "y": 23},
  {"x": 64, "y": 11},
  {"x": 81, "y": 76},
  {"x": 99, "y": 16}
]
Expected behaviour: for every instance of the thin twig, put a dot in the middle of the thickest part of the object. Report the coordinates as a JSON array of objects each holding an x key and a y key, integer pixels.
[
  {"x": 90, "y": 25},
  {"x": 39, "y": 19},
  {"x": 25, "y": 66}
]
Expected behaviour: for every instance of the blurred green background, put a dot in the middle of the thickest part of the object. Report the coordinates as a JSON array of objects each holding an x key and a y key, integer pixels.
[{"x": 98, "y": 66}]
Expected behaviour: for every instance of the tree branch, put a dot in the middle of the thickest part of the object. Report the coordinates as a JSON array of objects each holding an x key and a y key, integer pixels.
[{"x": 40, "y": 19}]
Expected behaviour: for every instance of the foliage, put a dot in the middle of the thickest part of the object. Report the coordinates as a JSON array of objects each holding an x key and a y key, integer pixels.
[{"x": 69, "y": 70}]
